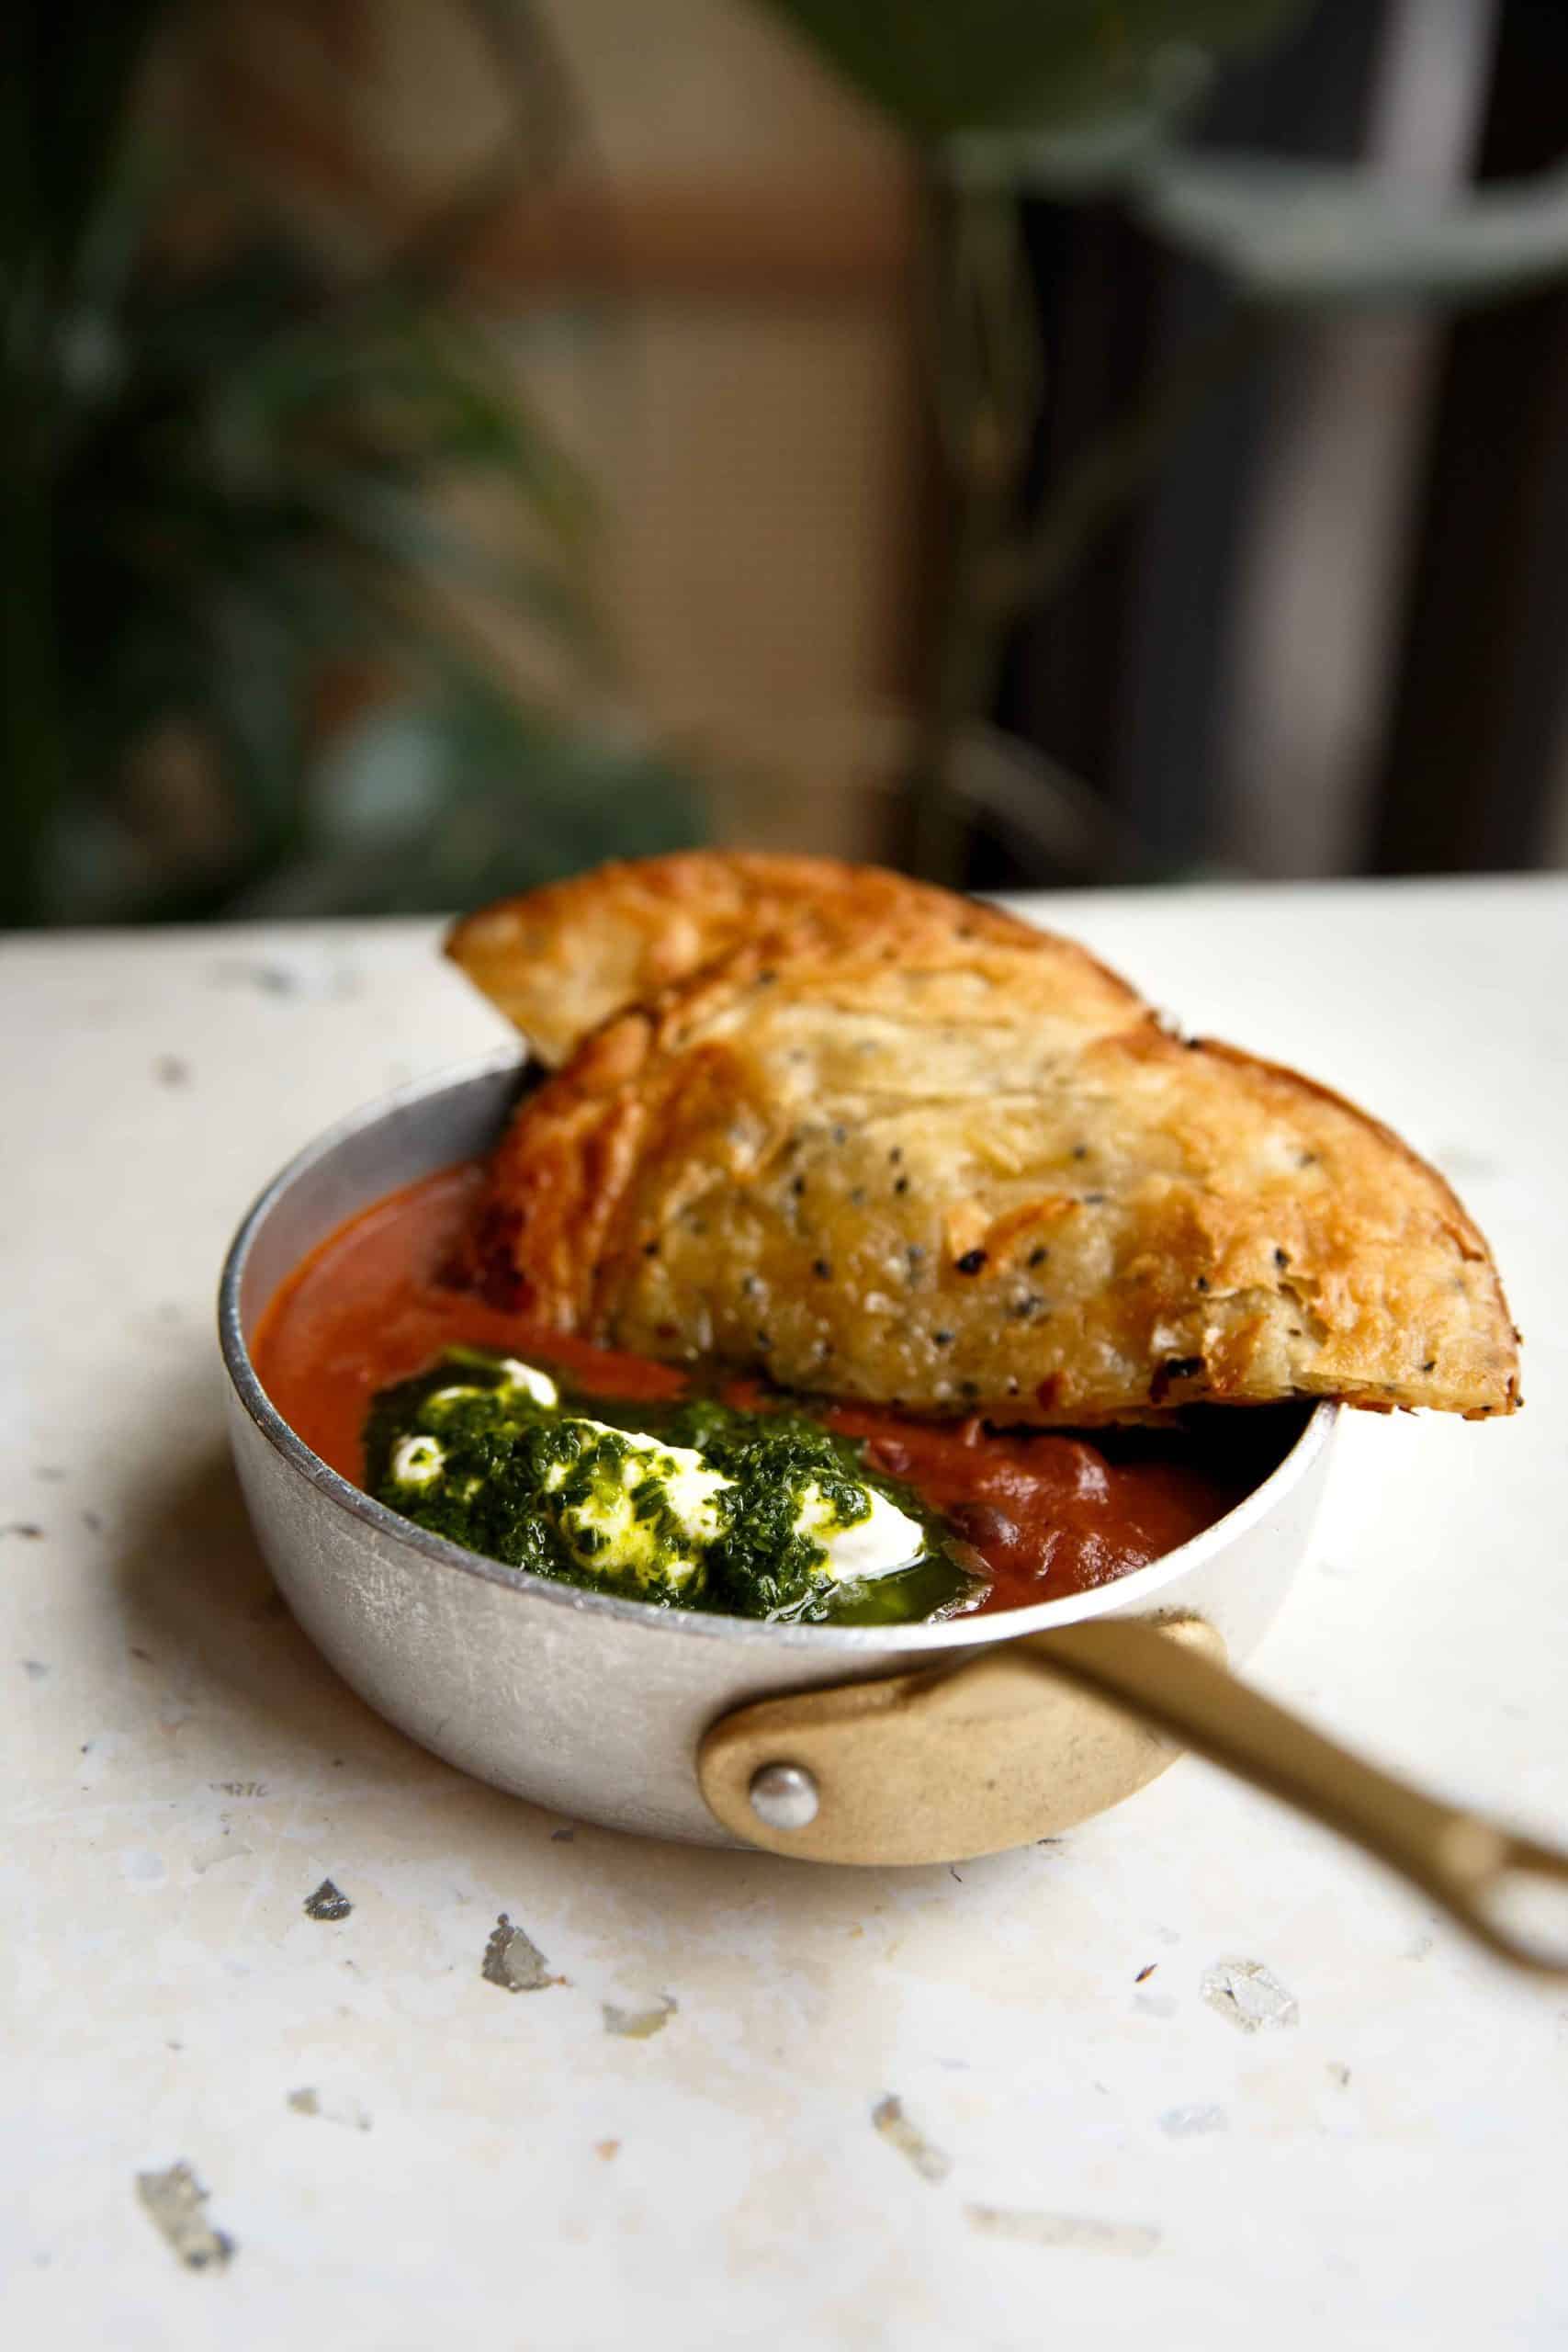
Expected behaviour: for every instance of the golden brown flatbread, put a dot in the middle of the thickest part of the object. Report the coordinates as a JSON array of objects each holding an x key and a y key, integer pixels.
[
  {"x": 891, "y": 1154},
  {"x": 559, "y": 960}
]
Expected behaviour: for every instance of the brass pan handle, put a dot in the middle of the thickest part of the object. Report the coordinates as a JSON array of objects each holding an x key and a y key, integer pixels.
[
  {"x": 1477, "y": 1869},
  {"x": 957, "y": 1761}
]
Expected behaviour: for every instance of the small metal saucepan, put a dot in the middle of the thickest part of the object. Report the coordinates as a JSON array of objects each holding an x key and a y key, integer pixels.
[{"x": 845, "y": 1744}]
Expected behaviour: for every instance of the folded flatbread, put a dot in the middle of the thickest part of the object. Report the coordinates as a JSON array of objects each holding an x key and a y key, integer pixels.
[
  {"x": 559, "y": 960},
  {"x": 901, "y": 1150}
]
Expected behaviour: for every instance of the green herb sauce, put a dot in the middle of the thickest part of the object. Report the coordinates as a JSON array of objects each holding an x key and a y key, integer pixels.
[{"x": 693, "y": 1505}]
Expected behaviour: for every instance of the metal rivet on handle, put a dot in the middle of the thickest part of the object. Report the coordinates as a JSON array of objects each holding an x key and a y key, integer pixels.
[{"x": 784, "y": 1796}]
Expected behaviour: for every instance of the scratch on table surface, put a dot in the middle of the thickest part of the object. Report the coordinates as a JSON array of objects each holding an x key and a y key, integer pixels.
[
  {"x": 1463, "y": 1164},
  {"x": 1248, "y": 1995},
  {"x": 513, "y": 1961},
  {"x": 1025, "y": 2228},
  {"x": 278, "y": 978},
  {"x": 896, "y": 2128},
  {"x": 224, "y": 1848},
  {"x": 639, "y": 2025},
  {"x": 173, "y": 2201},
  {"x": 1192, "y": 2122},
  {"x": 308, "y": 2100},
  {"x": 328, "y": 1901}
]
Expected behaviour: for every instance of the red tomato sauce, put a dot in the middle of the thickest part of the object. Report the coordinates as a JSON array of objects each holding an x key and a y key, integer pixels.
[{"x": 1049, "y": 1512}]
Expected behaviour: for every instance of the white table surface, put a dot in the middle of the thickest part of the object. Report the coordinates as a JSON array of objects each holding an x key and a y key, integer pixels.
[{"x": 182, "y": 1770}]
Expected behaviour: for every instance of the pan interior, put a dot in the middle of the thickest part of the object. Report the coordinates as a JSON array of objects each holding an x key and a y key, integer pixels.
[{"x": 455, "y": 1116}]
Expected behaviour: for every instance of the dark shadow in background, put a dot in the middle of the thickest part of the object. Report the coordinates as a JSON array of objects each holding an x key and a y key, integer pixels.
[
  {"x": 1119, "y": 676},
  {"x": 1481, "y": 704}
]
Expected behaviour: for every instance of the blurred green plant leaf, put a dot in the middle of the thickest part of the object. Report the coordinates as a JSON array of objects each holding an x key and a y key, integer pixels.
[
  {"x": 63, "y": 122},
  {"x": 1306, "y": 234},
  {"x": 939, "y": 67},
  {"x": 1105, "y": 150},
  {"x": 402, "y": 529},
  {"x": 231, "y": 476},
  {"x": 439, "y": 799}
]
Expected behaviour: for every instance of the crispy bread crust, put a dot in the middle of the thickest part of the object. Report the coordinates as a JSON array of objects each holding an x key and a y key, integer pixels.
[
  {"x": 560, "y": 960},
  {"x": 892, "y": 1155}
]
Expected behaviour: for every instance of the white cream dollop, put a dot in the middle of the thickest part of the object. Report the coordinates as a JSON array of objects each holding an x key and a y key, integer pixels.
[
  {"x": 887, "y": 1539},
  {"x": 516, "y": 1376},
  {"x": 617, "y": 1537},
  {"x": 531, "y": 1381},
  {"x": 417, "y": 1461}
]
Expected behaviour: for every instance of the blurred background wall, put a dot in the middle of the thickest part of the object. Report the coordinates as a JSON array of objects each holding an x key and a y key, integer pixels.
[
  {"x": 709, "y": 304},
  {"x": 447, "y": 441}
]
